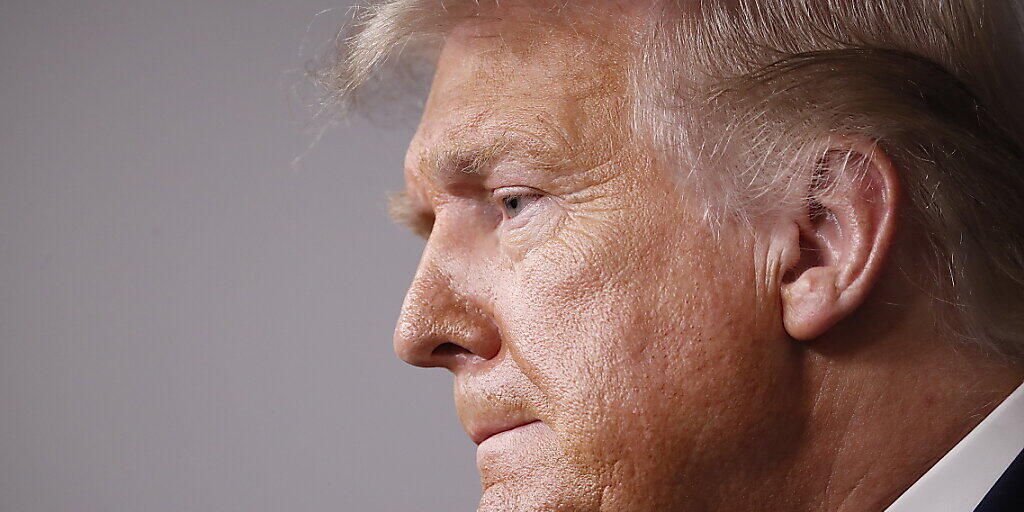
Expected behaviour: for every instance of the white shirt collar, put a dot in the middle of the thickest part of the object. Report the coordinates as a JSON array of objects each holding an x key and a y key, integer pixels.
[{"x": 961, "y": 478}]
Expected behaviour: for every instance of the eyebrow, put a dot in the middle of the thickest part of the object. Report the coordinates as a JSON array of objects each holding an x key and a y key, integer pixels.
[
  {"x": 478, "y": 160},
  {"x": 481, "y": 156},
  {"x": 404, "y": 211}
]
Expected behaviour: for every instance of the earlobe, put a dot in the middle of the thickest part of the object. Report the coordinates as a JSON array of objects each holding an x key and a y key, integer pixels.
[
  {"x": 845, "y": 230},
  {"x": 811, "y": 303}
]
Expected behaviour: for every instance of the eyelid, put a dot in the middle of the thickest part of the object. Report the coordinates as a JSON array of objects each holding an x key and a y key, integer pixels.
[{"x": 502, "y": 192}]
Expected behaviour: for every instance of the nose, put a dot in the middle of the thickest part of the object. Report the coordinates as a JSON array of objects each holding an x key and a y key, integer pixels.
[{"x": 442, "y": 323}]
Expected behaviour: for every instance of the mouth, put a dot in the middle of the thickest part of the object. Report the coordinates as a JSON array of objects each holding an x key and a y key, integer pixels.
[{"x": 484, "y": 434}]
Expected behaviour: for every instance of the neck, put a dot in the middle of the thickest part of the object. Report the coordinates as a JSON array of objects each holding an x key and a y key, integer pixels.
[{"x": 884, "y": 413}]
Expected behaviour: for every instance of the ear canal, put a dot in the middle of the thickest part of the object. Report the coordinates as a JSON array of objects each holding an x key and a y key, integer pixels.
[
  {"x": 809, "y": 257},
  {"x": 812, "y": 251}
]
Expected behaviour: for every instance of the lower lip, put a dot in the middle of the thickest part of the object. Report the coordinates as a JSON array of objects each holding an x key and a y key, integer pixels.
[{"x": 520, "y": 438}]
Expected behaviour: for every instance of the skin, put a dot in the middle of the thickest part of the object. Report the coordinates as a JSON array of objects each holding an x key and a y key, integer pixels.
[{"x": 669, "y": 368}]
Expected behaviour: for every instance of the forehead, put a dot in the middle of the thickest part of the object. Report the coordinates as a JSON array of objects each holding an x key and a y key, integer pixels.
[{"x": 544, "y": 88}]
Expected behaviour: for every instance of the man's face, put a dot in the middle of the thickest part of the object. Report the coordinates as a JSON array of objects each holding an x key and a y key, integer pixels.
[{"x": 575, "y": 292}]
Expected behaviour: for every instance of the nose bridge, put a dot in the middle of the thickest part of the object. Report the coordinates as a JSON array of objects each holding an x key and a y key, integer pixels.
[{"x": 443, "y": 321}]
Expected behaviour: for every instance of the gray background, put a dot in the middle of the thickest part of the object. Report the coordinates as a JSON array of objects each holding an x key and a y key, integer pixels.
[{"x": 186, "y": 322}]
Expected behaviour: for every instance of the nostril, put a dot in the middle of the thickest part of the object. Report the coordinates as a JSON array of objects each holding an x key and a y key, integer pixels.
[{"x": 447, "y": 350}]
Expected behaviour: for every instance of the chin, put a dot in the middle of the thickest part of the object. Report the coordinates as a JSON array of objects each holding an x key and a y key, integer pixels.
[
  {"x": 529, "y": 470},
  {"x": 548, "y": 490}
]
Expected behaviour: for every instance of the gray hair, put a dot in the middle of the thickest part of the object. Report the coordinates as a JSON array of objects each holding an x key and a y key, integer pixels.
[{"x": 749, "y": 90}]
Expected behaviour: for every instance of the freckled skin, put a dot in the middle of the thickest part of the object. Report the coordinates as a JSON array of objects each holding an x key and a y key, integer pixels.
[{"x": 652, "y": 350}]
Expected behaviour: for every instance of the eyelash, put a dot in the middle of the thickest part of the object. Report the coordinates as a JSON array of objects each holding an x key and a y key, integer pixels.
[{"x": 518, "y": 195}]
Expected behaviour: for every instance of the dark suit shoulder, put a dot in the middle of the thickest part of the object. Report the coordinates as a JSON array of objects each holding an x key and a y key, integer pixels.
[{"x": 1007, "y": 495}]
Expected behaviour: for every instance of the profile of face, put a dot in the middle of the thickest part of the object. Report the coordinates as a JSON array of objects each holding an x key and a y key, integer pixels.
[{"x": 609, "y": 351}]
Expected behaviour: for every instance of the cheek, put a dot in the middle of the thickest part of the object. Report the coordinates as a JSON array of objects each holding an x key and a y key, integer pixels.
[
  {"x": 643, "y": 332},
  {"x": 593, "y": 329}
]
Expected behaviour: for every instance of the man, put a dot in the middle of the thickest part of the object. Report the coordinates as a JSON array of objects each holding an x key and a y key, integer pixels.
[{"x": 719, "y": 255}]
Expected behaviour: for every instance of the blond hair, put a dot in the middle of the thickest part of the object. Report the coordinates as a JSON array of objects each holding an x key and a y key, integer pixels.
[{"x": 746, "y": 88}]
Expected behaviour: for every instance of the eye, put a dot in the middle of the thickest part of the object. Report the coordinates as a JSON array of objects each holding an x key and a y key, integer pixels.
[{"x": 514, "y": 204}]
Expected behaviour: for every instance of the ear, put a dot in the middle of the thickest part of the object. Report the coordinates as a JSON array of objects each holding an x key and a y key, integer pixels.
[{"x": 838, "y": 241}]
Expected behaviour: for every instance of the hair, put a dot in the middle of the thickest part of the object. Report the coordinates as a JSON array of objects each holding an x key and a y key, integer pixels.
[{"x": 750, "y": 90}]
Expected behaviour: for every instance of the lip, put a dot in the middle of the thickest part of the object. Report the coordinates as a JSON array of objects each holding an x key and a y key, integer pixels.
[{"x": 484, "y": 434}]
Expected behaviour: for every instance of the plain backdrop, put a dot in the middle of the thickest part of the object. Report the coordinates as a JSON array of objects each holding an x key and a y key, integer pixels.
[{"x": 187, "y": 322}]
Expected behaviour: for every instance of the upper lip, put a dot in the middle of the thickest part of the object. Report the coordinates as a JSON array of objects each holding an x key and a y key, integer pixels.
[
  {"x": 480, "y": 433},
  {"x": 492, "y": 403}
]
